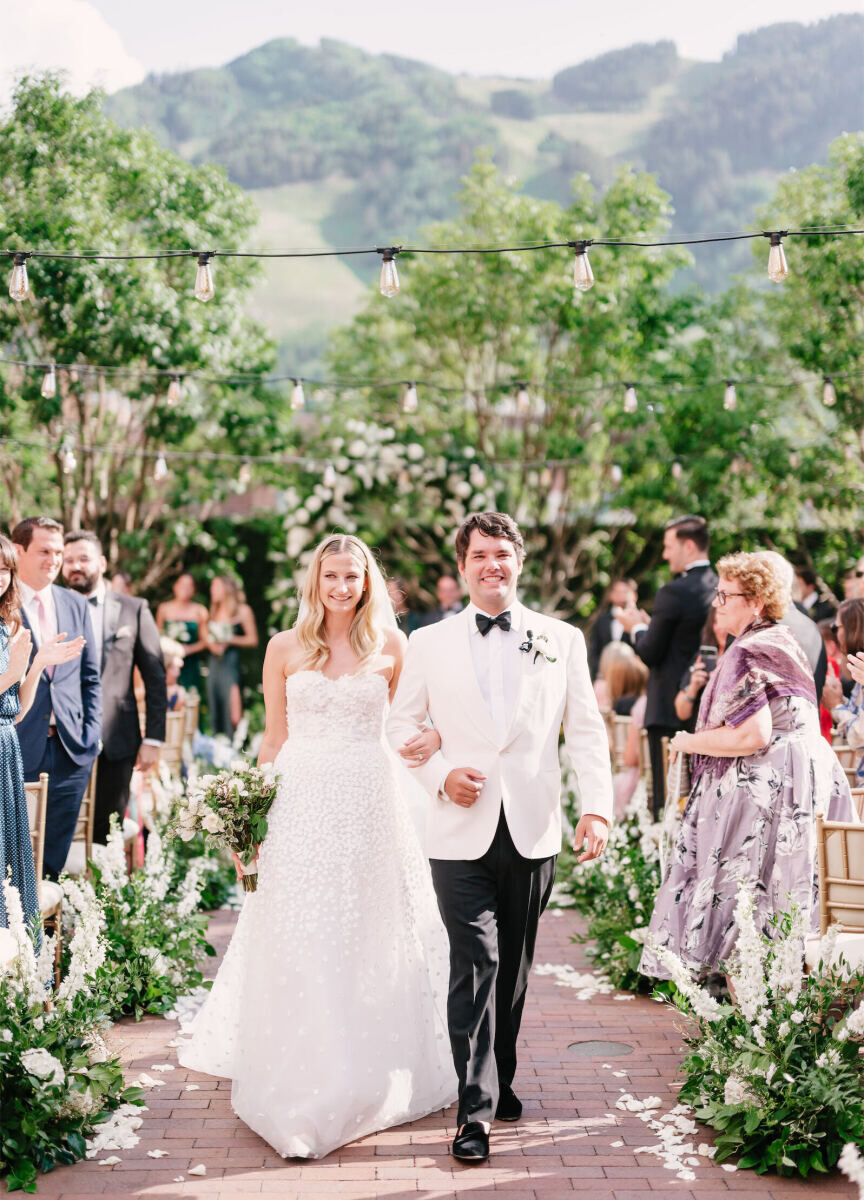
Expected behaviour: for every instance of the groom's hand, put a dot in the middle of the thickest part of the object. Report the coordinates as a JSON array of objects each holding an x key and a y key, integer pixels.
[
  {"x": 593, "y": 833},
  {"x": 464, "y": 785}
]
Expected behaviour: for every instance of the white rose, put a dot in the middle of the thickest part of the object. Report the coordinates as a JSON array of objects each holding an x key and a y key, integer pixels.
[
  {"x": 5, "y": 1035},
  {"x": 43, "y": 1065},
  {"x": 212, "y": 822},
  {"x": 415, "y": 452}
]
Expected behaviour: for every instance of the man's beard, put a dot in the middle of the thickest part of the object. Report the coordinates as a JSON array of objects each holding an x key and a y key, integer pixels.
[{"x": 83, "y": 583}]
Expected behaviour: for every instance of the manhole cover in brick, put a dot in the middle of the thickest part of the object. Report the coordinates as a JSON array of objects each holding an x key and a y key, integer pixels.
[{"x": 599, "y": 1049}]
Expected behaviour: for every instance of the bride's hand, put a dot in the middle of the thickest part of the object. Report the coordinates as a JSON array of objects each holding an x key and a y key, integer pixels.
[
  {"x": 420, "y": 748},
  {"x": 239, "y": 864}
]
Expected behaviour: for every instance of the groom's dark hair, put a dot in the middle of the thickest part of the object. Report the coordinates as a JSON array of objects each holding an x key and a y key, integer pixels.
[{"x": 490, "y": 524}]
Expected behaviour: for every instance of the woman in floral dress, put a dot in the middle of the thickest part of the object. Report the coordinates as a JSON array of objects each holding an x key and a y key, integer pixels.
[{"x": 761, "y": 773}]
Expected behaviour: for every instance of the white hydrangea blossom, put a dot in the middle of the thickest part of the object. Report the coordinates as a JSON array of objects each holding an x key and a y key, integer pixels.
[
  {"x": 43, "y": 1065},
  {"x": 851, "y": 1164},
  {"x": 737, "y": 1091}
]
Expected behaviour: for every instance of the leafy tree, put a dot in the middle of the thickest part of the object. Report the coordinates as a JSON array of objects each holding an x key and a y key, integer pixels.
[
  {"x": 71, "y": 180},
  {"x": 619, "y": 79}
]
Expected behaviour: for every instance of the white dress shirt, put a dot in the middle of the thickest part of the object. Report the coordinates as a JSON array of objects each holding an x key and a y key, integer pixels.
[
  {"x": 30, "y": 600},
  {"x": 497, "y": 664}
]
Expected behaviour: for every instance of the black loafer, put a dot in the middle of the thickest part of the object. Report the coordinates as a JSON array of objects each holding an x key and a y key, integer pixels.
[
  {"x": 509, "y": 1105},
  {"x": 472, "y": 1144}
]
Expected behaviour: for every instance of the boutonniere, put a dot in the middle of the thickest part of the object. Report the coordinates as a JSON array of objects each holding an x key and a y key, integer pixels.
[{"x": 541, "y": 646}]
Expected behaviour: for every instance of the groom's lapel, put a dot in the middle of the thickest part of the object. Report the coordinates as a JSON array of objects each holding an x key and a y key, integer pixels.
[
  {"x": 465, "y": 677},
  {"x": 526, "y": 696}
]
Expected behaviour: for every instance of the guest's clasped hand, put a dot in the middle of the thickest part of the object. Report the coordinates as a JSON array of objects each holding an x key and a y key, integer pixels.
[
  {"x": 855, "y": 665},
  {"x": 420, "y": 748}
]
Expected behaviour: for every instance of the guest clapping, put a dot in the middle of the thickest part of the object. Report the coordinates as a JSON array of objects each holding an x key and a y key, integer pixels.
[
  {"x": 231, "y": 625},
  {"x": 849, "y": 714},
  {"x": 761, "y": 773},
  {"x": 19, "y": 679}
]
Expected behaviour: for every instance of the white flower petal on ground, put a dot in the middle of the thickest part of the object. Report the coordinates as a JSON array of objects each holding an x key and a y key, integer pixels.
[
  {"x": 620, "y": 1074},
  {"x": 157, "y": 1153},
  {"x": 199, "y": 1170},
  {"x": 615, "y": 1145},
  {"x": 178, "y": 1179},
  {"x": 146, "y": 1081},
  {"x": 728, "y": 1166},
  {"x": 111, "y": 1161},
  {"x": 192, "y": 1087},
  {"x": 162, "y": 1067}
]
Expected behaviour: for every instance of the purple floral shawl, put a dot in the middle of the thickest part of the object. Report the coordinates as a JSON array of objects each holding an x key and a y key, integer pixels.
[{"x": 764, "y": 663}]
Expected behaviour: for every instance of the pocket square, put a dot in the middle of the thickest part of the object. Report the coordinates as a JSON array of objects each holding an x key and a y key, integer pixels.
[{"x": 124, "y": 631}]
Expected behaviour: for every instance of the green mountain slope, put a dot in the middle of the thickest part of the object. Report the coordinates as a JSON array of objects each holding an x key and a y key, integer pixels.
[{"x": 342, "y": 147}]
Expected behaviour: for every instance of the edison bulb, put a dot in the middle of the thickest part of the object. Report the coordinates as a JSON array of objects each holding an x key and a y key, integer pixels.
[
  {"x": 616, "y": 474},
  {"x": 829, "y": 394},
  {"x": 410, "y": 402},
  {"x": 49, "y": 384},
  {"x": 19, "y": 285},
  {"x": 204, "y": 289},
  {"x": 777, "y": 266},
  {"x": 68, "y": 459},
  {"x": 160, "y": 470},
  {"x": 389, "y": 282},
  {"x": 329, "y": 476},
  {"x": 730, "y": 397},
  {"x": 298, "y": 399},
  {"x": 173, "y": 394},
  {"x": 523, "y": 402},
  {"x": 583, "y": 276},
  {"x": 631, "y": 400}
]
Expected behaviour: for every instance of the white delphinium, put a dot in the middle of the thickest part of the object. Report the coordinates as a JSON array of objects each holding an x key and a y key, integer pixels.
[
  {"x": 851, "y": 1164},
  {"x": 111, "y": 861},
  {"x": 737, "y": 1091},
  {"x": 747, "y": 969},
  {"x": 190, "y": 889},
  {"x": 28, "y": 971},
  {"x": 852, "y": 1026},
  {"x": 155, "y": 868},
  {"x": 704, "y": 1006},
  {"x": 87, "y": 948},
  {"x": 786, "y": 969}
]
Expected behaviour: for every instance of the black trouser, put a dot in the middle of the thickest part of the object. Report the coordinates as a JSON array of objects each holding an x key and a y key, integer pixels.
[
  {"x": 113, "y": 778},
  {"x": 656, "y": 734},
  {"x": 490, "y": 907}
]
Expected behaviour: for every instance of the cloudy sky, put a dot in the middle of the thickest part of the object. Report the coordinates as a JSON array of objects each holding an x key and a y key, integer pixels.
[{"x": 116, "y": 42}]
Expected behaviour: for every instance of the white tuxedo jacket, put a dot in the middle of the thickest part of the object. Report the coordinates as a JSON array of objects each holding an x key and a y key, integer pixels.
[{"x": 522, "y": 769}]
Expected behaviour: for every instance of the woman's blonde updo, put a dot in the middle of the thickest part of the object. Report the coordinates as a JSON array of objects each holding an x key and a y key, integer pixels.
[
  {"x": 760, "y": 577},
  {"x": 367, "y": 633}
]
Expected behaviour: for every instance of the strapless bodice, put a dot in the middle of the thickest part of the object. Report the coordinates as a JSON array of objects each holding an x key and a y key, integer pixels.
[{"x": 350, "y": 708}]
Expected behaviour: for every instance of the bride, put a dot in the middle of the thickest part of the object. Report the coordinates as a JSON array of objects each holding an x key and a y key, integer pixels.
[{"x": 328, "y": 1012}]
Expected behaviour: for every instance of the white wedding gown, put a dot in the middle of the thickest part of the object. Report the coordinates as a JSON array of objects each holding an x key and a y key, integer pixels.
[{"x": 329, "y": 1010}]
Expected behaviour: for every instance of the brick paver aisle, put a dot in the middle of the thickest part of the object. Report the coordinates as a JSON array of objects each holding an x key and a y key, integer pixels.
[{"x": 563, "y": 1146}]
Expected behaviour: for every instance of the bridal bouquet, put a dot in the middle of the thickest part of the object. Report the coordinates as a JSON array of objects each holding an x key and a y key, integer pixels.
[
  {"x": 220, "y": 631},
  {"x": 231, "y": 809}
]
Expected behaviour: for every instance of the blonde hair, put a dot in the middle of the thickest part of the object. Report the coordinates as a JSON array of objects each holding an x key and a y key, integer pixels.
[
  {"x": 232, "y": 599},
  {"x": 760, "y": 577},
  {"x": 611, "y": 653},
  {"x": 367, "y": 629},
  {"x": 626, "y": 676}
]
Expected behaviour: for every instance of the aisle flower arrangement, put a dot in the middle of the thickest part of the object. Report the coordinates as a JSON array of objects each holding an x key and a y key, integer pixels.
[
  {"x": 231, "y": 810},
  {"x": 57, "y": 1083},
  {"x": 616, "y": 893},
  {"x": 779, "y": 1073},
  {"x": 154, "y": 934}
]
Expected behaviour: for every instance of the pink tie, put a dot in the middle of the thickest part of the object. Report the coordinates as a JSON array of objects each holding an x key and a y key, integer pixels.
[{"x": 44, "y": 632}]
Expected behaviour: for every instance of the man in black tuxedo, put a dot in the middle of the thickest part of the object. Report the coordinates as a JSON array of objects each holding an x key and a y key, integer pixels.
[
  {"x": 606, "y": 627},
  {"x": 126, "y": 637},
  {"x": 60, "y": 733},
  {"x": 668, "y": 641}
]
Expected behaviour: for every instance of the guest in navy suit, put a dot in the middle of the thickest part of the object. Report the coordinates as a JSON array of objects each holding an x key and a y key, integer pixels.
[{"x": 61, "y": 732}]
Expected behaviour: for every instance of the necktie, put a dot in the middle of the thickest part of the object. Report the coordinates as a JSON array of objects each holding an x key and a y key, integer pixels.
[
  {"x": 44, "y": 632},
  {"x": 484, "y": 623}
]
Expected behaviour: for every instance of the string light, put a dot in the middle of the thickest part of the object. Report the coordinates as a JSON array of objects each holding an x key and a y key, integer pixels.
[
  {"x": 298, "y": 399},
  {"x": 829, "y": 392},
  {"x": 583, "y": 276},
  {"x": 49, "y": 384},
  {"x": 19, "y": 285},
  {"x": 389, "y": 282},
  {"x": 68, "y": 460},
  {"x": 204, "y": 289},
  {"x": 777, "y": 267},
  {"x": 677, "y": 470},
  {"x": 160, "y": 470},
  {"x": 523, "y": 401},
  {"x": 410, "y": 403},
  {"x": 172, "y": 396},
  {"x": 631, "y": 400},
  {"x": 616, "y": 474},
  {"x": 244, "y": 475},
  {"x": 329, "y": 476},
  {"x": 730, "y": 397}
]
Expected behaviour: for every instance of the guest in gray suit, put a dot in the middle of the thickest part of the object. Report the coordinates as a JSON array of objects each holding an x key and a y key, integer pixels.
[{"x": 125, "y": 637}]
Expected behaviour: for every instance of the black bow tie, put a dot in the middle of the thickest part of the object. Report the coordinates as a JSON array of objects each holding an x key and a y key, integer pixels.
[
  {"x": 484, "y": 623},
  {"x": 94, "y": 600}
]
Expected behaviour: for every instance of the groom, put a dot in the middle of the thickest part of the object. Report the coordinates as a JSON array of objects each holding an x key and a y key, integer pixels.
[{"x": 497, "y": 682}]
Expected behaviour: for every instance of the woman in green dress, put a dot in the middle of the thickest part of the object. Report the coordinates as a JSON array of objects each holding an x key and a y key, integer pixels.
[{"x": 185, "y": 620}]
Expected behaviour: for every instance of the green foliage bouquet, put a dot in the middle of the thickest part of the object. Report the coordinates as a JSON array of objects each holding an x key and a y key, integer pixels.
[
  {"x": 779, "y": 1072},
  {"x": 231, "y": 808},
  {"x": 57, "y": 1082},
  {"x": 616, "y": 893}
]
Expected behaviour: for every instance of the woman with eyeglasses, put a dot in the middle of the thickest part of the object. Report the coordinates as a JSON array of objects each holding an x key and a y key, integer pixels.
[
  {"x": 761, "y": 771},
  {"x": 849, "y": 714},
  {"x": 18, "y": 683}
]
